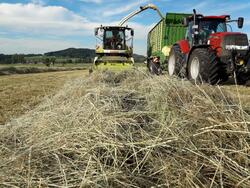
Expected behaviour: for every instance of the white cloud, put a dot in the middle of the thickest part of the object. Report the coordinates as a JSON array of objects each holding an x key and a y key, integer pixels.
[
  {"x": 38, "y": 21},
  {"x": 50, "y": 20}
]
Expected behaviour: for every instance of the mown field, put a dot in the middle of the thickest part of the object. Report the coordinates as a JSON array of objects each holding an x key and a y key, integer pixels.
[
  {"x": 20, "y": 93},
  {"x": 123, "y": 129}
]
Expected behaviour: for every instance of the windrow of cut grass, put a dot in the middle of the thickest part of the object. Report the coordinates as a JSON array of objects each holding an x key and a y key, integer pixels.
[{"x": 129, "y": 129}]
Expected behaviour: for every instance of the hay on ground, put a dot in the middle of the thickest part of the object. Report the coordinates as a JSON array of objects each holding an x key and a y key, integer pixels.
[{"x": 129, "y": 129}]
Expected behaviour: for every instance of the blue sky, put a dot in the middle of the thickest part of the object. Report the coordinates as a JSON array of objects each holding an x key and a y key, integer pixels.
[{"x": 38, "y": 26}]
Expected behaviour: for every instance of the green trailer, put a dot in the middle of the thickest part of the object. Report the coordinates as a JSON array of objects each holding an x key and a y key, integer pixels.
[{"x": 165, "y": 34}]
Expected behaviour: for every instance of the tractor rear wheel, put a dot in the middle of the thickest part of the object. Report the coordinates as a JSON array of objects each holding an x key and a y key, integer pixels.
[
  {"x": 203, "y": 66},
  {"x": 174, "y": 61}
]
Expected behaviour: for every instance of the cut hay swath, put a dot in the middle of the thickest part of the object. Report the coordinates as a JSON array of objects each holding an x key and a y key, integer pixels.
[{"x": 129, "y": 129}]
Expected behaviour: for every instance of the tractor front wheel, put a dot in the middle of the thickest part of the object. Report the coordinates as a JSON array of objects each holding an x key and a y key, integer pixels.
[{"x": 203, "y": 66}]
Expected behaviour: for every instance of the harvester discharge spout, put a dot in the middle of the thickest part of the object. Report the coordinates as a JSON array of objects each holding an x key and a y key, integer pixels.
[{"x": 142, "y": 8}]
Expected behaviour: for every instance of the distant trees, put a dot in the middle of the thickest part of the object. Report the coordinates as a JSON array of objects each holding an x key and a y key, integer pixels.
[
  {"x": 49, "y": 61},
  {"x": 70, "y": 55},
  {"x": 5, "y": 59},
  {"x": 12, "y": 59},
  {"x": 77, "y": 61},
  {"x": 53, "y": 60},
  {"x": 18, "y": 59},
  {"x": 73, "y": 53},
  {"x": 69, "y": 61}
]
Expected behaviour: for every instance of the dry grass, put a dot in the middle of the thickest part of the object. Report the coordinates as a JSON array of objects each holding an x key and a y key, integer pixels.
[
  {"x": 20, "y": 93},
  {"x": 129, "y": 130},
  {"x": 240, "y": 94}
]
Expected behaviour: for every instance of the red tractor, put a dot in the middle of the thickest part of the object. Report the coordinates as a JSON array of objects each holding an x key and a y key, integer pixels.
[{"x": 210, "y": 53}]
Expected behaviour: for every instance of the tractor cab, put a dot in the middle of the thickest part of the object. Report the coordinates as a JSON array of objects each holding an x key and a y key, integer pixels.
[
  {"x": 205, "y": 26},
  {"x": 114, "y": 46},
  {"x": 200, "y": 28}
]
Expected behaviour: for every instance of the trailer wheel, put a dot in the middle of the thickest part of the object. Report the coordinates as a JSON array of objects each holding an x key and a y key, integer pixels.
[
  {"x": 154, "y": 68},
  {"x": 174, "y": 61},
  {"x": 203, "y": 66}
]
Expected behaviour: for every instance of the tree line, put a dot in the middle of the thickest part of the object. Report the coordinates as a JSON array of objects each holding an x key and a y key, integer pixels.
[
  {"x": 12, "y": 59},
  {"x": 40, "y": 59}
]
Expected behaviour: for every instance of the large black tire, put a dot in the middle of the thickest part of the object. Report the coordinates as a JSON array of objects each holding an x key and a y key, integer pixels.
[
  {"x": 223, "y": 71},
  {"x": 154, "y": 68},
  {"x": 203, "y": 66},
  {"x": 242, "y": 78},
  {"x": 175, "y": 62}
]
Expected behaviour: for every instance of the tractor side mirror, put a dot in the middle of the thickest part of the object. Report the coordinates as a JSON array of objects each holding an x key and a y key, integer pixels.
[
  {"x": 185, "y": 22},
  {"x": 96, "y": 31},
  {"x": 132, "y": 33},
  {"x": 240, "y": 22}
]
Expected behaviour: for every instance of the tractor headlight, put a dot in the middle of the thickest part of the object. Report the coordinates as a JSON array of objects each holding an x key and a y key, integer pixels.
[{"x": 236, "y": 47}]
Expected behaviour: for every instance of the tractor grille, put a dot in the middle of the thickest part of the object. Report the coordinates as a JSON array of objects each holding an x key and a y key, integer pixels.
[{"x": 237, "y": 40}]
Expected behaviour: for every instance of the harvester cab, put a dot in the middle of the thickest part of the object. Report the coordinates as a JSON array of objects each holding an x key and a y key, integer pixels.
[
  {"x": 210, "y": 53},
  {"x": 114, "y": 46}
]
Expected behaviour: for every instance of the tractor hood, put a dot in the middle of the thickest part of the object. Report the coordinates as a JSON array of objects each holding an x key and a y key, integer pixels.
[
  {"x": 227, "y": 41},
  {"x": 222, "y": 34}
]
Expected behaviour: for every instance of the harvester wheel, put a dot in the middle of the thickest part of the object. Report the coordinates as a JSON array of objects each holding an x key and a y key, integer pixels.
[
  {"x": 174, "y": 61},
  {"x": 203, "y": 66}
]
